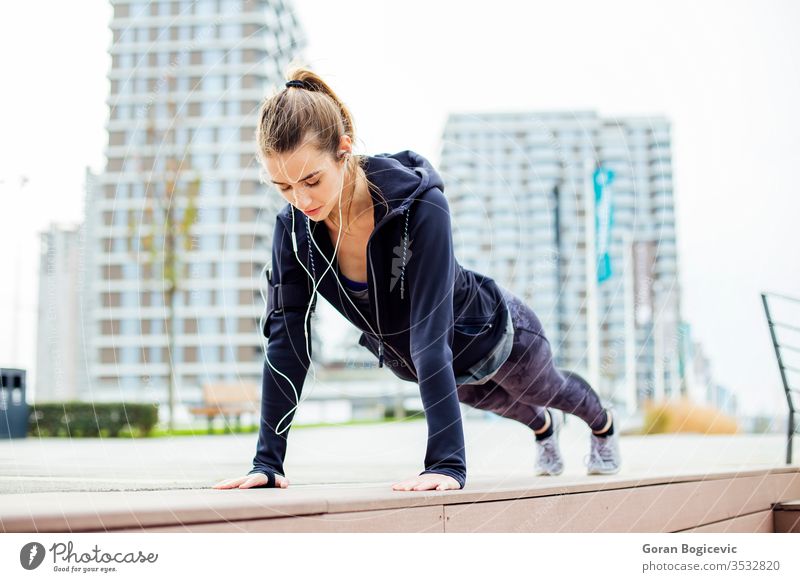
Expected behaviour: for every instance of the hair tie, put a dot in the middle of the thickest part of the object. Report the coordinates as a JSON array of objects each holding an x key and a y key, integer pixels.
[{"x": 299, "y": 83}]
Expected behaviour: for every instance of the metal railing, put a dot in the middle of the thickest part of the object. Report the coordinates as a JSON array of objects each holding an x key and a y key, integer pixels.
[{"x": 780, "y": 348}]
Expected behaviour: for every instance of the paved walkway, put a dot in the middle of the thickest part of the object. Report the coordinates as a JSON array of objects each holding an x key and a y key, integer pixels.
[{"x": 354, "y": 455}]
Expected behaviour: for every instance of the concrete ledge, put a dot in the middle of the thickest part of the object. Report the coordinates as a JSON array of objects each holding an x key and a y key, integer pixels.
[{"x": 741, "y": 500}]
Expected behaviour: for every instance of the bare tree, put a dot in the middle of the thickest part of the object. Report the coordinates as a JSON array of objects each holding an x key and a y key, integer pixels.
[{"x": 164, "y": 228}]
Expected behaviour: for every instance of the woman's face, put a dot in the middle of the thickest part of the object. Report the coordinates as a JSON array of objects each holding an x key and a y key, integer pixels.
[{"x": 308, "y": 179}]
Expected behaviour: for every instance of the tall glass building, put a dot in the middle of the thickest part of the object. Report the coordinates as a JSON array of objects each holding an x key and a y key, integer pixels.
[{"x": 186, "y": 81}]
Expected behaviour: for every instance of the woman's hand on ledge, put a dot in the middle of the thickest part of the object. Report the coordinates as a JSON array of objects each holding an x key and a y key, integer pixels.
[
  {"x": 252, "y": 480},
  {"x": 435, "y": 481}
]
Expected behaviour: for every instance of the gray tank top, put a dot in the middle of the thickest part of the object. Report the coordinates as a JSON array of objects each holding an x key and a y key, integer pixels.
[{"x": 358, "y": 292}]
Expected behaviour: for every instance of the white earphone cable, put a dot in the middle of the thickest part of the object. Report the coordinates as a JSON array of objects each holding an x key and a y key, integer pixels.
[{"x": 308, "y": 310}]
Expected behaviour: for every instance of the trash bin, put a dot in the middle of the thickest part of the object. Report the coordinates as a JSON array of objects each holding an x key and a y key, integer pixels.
[{"x": 13, "y": 406}]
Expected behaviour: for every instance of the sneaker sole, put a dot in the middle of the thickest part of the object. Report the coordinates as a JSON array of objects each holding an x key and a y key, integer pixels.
[{"x": 603, "y": 471}]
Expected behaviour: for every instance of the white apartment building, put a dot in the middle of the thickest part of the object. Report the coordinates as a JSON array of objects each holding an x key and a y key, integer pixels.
[
  {"x": 186, "y": 81},
  {"x": 517, "y": 181}
]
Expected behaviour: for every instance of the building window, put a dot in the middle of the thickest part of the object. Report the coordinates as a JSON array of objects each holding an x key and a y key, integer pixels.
[
  {"x": 129, "y": 355},
  {"x": 213, "y": 83},
  {"x": 204, "y": 7}
]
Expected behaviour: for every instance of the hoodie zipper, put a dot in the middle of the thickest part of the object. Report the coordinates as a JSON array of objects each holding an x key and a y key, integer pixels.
[{"x": 377, "y": 308}]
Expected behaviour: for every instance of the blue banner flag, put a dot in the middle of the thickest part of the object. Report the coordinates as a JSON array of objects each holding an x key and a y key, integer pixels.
[{"x": 603, "y": 220}]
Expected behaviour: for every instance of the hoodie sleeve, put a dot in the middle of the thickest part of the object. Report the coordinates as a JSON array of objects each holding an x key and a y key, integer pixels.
[
  {"x": 286, "y": 349},
  {"x": 430, "y": 274}
]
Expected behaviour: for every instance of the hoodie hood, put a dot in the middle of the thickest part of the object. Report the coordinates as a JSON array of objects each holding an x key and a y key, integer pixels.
[{"x": 401, "y": 177}]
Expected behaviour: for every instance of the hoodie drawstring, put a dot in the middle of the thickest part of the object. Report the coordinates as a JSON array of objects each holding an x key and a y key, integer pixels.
[
  {"x": 407, "y": 212},
  {"x": 311, "y": 259}
]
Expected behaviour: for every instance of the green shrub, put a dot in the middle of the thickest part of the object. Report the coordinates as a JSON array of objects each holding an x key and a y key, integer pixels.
[{"x": 86, "y": 419}]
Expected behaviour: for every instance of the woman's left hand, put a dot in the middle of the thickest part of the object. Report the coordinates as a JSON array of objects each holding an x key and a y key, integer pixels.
[{"x": 427, "y": 481}]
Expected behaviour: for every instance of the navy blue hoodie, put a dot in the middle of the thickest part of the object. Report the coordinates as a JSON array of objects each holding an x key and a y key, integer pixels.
[{"x": 433, "y": 319}]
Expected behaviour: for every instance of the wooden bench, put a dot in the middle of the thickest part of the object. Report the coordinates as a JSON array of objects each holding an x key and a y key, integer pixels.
[
  {"x": 228, "y": 399},
  {"x": 736, "y": 500}
]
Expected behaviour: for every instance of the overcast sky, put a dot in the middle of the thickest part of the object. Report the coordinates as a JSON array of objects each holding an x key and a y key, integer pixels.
[{"x": 725, "y": 73}]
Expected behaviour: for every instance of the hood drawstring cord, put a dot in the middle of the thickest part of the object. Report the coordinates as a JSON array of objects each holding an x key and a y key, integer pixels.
[
  {"x": 311, "y": 259},
  {"x": 407, "y": 212}
]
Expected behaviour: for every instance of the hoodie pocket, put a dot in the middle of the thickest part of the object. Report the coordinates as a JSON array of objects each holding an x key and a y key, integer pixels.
[{"x": 473, "y": 325}]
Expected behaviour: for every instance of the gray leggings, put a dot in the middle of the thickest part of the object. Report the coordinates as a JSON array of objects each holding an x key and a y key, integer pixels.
[{"x": 528, "y": 381}]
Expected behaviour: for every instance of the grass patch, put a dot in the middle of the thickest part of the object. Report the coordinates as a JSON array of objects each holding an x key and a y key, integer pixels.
[{"x": 253, "y": 428}]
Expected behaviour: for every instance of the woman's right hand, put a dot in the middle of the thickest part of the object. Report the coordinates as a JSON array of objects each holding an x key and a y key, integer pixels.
[{"x": 252, "y": 480}]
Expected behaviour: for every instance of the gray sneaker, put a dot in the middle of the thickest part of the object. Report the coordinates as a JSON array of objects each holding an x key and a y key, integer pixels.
[
  {"x": 549, "y": 461},
  {"x": 603, "y": 457}
]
